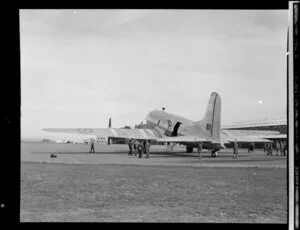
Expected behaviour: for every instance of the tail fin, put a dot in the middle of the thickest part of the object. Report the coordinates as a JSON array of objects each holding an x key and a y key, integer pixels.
[{"x": 211, "y": 122}]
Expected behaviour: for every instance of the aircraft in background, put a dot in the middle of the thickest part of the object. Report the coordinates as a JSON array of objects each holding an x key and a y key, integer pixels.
[
  {"x": 170, "y": 128},
  {"x": 63, "y": 141}
]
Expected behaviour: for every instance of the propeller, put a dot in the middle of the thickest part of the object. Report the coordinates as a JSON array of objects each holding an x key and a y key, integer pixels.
[{"x": 109, "y": 126}]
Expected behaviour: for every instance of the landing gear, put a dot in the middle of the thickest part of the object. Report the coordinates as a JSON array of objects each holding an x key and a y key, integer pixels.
[
  {"x": 214, "y": 153},
  {"x": 189, "y": 149}
]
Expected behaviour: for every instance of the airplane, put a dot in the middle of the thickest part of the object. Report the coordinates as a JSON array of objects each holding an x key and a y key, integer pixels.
[
  {"x": 171, "y": 128},
  {"x": 63, "y": 141}
]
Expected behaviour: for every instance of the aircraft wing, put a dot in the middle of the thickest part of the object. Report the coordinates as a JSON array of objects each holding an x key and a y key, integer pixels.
[
  {"x": 142, "y": 134},
  {"x": 182, "y": 139}
]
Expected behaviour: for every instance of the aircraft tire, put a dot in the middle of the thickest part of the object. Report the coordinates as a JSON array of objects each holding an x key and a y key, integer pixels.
[{"x": 189, "y": 149}]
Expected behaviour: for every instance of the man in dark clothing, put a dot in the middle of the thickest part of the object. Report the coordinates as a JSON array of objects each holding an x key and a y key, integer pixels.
[
  {"x": 270, "y": 148},
  {"x": 92, "y": 147},
  {"x": 284, "y": 147},
  {"x": 144, "y": 147},
  {"x": 235, "y": 150},
  {"x": 249, "y": 148}
]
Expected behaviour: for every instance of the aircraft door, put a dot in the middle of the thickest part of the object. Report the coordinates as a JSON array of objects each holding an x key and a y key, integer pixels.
[{"x": 175, "y": 130}]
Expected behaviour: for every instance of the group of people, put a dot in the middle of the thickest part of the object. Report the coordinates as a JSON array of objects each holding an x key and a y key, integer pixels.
[
  {"x": 143, "y": 147},
  {"x": 139, "y": 148},
  {"x": 279, "y": 146}
]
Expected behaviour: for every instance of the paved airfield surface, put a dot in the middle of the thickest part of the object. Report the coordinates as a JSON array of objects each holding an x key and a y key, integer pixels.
[{"x": 117, "y": 154}]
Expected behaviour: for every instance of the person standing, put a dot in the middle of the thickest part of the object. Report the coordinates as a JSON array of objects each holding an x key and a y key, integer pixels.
[
  {"x": 135, "y": 147},
  {"x": 284, "y": 147},
  {"x": 144, "y": 147},
  {"x": 251, "y": 148},
  {"x": 235, "y": 150},
  {"x": 147, "y": 148},
  {"x": 92, "y": 147},
  {"x": 281, "y": 148},
  {"x": 130, "y": 145},
  {"x": 266, "y": 148},
  {"x": 271, "y": 148},
  {"x": 168, "y": 147},
  {"x": 140, "y": 149},
  {"x": 199, "y": 149},
  {"x": 277, "y": 147}
]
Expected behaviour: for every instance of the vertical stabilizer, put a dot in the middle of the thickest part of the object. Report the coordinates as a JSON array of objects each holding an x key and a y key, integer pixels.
[{"x": 211, "y": 122}]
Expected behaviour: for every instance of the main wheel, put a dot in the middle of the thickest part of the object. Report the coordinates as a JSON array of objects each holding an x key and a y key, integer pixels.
[{"x": 189, "y": 149}]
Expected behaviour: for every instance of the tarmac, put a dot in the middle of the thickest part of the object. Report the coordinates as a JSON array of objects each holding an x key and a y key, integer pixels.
[{"x": 118, "y": 154}]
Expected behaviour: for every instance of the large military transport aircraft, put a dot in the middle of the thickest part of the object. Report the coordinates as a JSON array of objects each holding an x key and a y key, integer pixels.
[{"x": 170, "y": 128}]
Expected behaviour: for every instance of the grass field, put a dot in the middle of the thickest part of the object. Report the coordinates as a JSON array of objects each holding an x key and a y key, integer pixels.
[{"x": 131, "y": 193}]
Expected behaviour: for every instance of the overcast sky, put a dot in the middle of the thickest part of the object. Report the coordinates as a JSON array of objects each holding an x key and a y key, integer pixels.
[{"x": 78, "y": 68}]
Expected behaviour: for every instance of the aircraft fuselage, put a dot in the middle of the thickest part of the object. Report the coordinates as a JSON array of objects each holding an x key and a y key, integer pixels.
[{"x": 173, "y": 125}]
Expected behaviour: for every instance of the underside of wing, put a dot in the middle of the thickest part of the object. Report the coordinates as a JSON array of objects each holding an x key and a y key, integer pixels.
[
  {"x": 182, "y": 139},
  {"x": 142, "y": 134}
]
